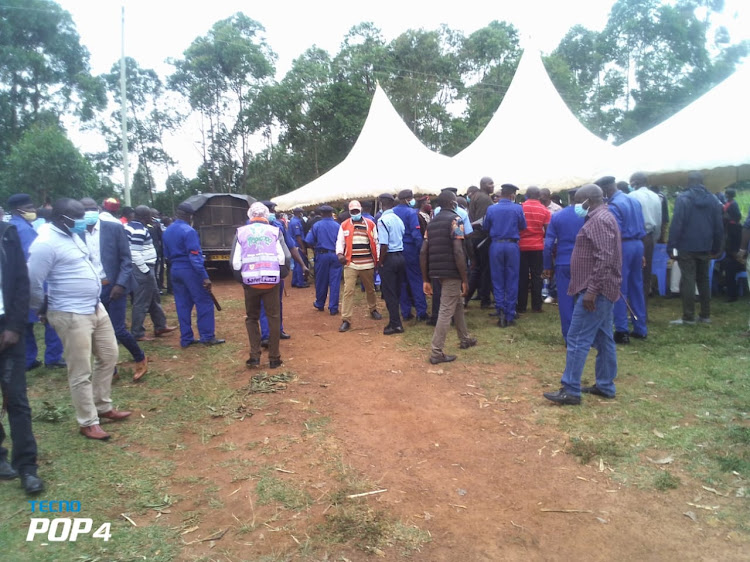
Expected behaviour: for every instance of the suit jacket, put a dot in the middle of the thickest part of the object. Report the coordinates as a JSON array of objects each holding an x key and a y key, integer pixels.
[{"x": 115, "y": 254}]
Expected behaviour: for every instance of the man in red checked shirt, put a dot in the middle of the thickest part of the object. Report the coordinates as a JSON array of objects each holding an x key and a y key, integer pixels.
[
  {"x": 531, "y": 245},
  {"x": 595, "y": 277}
]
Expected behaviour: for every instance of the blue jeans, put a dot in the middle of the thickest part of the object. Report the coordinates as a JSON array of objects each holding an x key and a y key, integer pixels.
[
  {"x": 587, "y": 330},
  {"x": 565, "y": 302}
]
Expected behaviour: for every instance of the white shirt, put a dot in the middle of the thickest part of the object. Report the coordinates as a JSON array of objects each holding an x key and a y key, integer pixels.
[
  {"x": 553, "y": 207},
  {"x": 651, "y": 206},
  {"x": 92, "y": 241},
  {"x": 106, "y": 216}
]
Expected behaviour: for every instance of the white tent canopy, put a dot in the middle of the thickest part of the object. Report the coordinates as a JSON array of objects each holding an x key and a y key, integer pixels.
[
  {"x": 533, "y": 138},
  {"x": 387, "y": 157},
  {"x": 710, "y": 135}
]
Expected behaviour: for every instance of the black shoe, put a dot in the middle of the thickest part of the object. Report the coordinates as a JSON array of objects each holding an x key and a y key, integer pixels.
[
  {"x": 622, "y": 337},
  {"x": 57, "y": 365},
  {"x": 442, "y": 359},
  {"x": 375, "y": 315},
  {"x": 345, "y": 325},
  {"x": 35, "y": 365},
  {"x": 432, "y": 322},
  {"x": 467, "y": 343},
  {"x": 334, "y": 312},
  {"x": 638, "y": 336},
  {"x": 409, "y": 317},
  {"x": 563, "y": 398},
  {"x": 213, "y": 341},
  {"x": 275, "y": 363},
  {"x": 318, "y": 308},
  {"x": 264, "y": 343},
  {"x": 424, "y": 318},
  {"x": 390, "y": 330},
  {"x": 250, "y": 363},
  {"x": 32, "y": 484},
  {"x": 7, "y": 472},
  {"x": 285, "y": 336},
  {"x": 595, "y": 390},
  {"x": 485, "y": 305}
]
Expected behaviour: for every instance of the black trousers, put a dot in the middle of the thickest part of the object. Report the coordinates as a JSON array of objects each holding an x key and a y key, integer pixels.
[
  {"x": 13, "y": 384},
  {"x": 437, "y": 291},
  {"x": 480, "y": 279},
  {"x": 392, "y": 276},
  {"x": 532, "y": 264}
]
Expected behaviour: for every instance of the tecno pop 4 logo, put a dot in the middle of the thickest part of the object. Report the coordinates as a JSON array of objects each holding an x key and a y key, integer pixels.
[{"x": 61, "y": 529}]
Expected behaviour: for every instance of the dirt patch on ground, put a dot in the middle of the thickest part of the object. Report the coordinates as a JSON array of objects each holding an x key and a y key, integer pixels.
[{"x": 469, "y": 469}]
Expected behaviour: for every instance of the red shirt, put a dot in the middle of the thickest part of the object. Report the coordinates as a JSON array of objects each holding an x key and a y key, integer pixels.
[
  {"x": 596, "y": 263},
  {"x": 537, "y": 217}
]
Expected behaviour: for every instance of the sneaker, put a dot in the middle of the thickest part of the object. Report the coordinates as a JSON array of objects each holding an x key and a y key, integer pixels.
[
  {"x": 467, "y": 343},
  {"x": 682, "y": 322},
  {"x": 622, "y": 338},
  {"x": 436, "y": 359},
  {"x": 563, "y": 398},
  {"x": 597, "y": 391},
  {"x": 549, "y": 300}
]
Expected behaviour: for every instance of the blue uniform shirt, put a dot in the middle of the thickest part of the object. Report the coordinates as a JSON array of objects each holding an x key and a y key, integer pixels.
[
  {"x": 391, "y": 231},
  {"x": 561, "y": 232},
  {"x": 26, "y": 233},
  {"x": 297, "y": 228},
  {"x": 323, "y": 234},
  {"x": 408, "y": 216},
  {"x": 629, "y": 215},
  {"x": 182, "y": 247},
  {"x": 288, "y": 238},
  {"x": 504, "y": 220}
]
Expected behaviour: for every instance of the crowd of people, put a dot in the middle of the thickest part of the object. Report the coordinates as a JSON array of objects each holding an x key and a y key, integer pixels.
[{"x": 74, "y": 265}]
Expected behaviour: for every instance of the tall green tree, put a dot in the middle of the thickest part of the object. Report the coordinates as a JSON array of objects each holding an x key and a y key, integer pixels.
[{"x": 221, "y": 75}]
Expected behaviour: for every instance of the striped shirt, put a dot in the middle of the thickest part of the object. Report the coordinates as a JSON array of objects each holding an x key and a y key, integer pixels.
[
  {"x": 596, "y": 263},
  {"x": 537, "y": 217},
  {"x": 361, "y": 253},
  {"x": 141, "y": 245}
]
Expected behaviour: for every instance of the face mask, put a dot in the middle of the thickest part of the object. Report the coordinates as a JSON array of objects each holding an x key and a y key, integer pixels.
[
  {"x": 357, "y": 217},
  {"x": 78, "y": 226},
  {"x": 468, "y": 199},
  {"x": 580, "y": 211},
  {"x": 271, "y": 217},
  {"x": 90, "y": 217},
  {"x": 29, "y": 215},
  {"x": 412, "y": 202}
]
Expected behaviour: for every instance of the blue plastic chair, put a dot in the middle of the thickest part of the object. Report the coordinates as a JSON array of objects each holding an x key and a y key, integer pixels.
[
  {"x": 741, "y": 282},
  {"x": 659, "y": 267},
  {"x": 712, "y": 272}
]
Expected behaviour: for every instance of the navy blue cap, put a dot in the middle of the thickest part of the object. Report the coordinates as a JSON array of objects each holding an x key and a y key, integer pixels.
[
  {"x": 19, "y": 200},
  {"x": 186, "y": 208},
  {"x": 325, "y": 209},
  {"x": 270, "y": 204},
  {"x": 386, "y": 196}
]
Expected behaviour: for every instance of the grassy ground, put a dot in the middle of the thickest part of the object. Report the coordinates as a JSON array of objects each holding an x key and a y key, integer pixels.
[{"x": 684, "y": 393}]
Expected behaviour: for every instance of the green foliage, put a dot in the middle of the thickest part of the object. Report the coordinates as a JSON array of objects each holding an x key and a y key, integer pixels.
[
  {"x": 666, "y": 481},
  {"x": 46, "y": 165}
]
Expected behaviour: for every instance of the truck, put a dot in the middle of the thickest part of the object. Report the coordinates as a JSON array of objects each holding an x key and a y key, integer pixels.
[{"x": 216, "y": 218}]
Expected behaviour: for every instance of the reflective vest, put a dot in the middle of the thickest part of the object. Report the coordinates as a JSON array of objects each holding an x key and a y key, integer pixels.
[
  {"x": 348, "y": 229},
  {"x": 260, "y": 262}
]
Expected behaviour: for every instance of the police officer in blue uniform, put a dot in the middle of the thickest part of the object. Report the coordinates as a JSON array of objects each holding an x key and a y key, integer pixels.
[
  {"x": 190, "y": 281},
  {"x": 504, "y": 222},
  {"x": 322, "y": 237},
  {"x": 23, "y": 214},
  {"x": 412, "y": 292},
  {"x": 629, "y": 215},
  {"x": 391, "y": 262},
  {"x": 297, "y": 230}
]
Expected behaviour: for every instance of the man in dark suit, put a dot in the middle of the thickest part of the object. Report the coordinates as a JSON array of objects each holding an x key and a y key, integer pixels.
[{"x": 110, "y": 254}]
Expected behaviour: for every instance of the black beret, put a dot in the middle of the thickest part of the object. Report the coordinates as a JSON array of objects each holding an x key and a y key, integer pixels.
[
  {"x": 297, "y": 210},
  {"x": 325, "y": 209},
  {"x": 270, "y": 204},
  {"x": 606, "y": 180},
  {"x": 405, "y": 194},
  {"x": 453, "y": 189},
  {"x": 185, "y": 208},
  {"x": 386, "y": 196},
  {"x": 19, "y": 200},
  {"x": 508, "y": 187}
]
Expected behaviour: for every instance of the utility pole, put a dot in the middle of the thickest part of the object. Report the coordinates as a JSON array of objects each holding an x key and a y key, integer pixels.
[{"x": 124, "y": 116}]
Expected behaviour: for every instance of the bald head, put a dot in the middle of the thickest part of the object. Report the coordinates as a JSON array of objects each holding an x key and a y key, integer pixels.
[
  {"x": 591, "y": 192},
  {"x": 533, "y": 192},
  {"x": 143, "y": 214},
  {"x": 487, "y": 185},
  {"x": 638, "y": 180},
  {"x": 695, "y": 179}
]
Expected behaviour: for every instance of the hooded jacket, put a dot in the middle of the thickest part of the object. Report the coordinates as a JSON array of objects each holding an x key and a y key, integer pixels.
[{"x": 696, "y": 225}]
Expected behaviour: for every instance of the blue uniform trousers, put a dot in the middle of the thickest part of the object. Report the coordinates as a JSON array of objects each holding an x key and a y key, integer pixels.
[
  {"x": 587, "y": 330},
  {"x": 412, "y": 291},
  {"x": 393, "y": 276},
  {"x": 53, "y": 348},
  {"x": 327, "y": 277},
  {"x": 264, "y": 331},
  {"x": 117, "y": 310},
  {"x": 13, "y": 385},
  {"x": 298, "y": 276},
  {"x": 564, "y": 300},
  {"x": 505, "y": 261},
  {"x": 632, "y": 289},
  {"x": 189, "y": 292}
]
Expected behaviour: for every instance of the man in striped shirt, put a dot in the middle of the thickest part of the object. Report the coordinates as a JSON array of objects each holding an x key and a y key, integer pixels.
[
  {"x": 357, "y": 250},
  {"x": 595, "y": 278},
  {"x": 146, "y": 298}
]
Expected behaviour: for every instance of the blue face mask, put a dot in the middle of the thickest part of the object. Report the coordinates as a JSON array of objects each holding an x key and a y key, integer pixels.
[
  {"x": 79, "y": 225},
  {"x": 271, "y": 217},
  {"x": 468, "y": 199},
  {"x": 91, "y": 217},
  {"x": 412, "y": 202},
  {"x": 357, "y": 217},
  {"x": 580, "y": 211}
]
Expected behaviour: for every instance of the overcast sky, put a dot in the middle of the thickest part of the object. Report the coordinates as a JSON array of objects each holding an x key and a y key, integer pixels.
[{"x": 156, "y": 30}]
